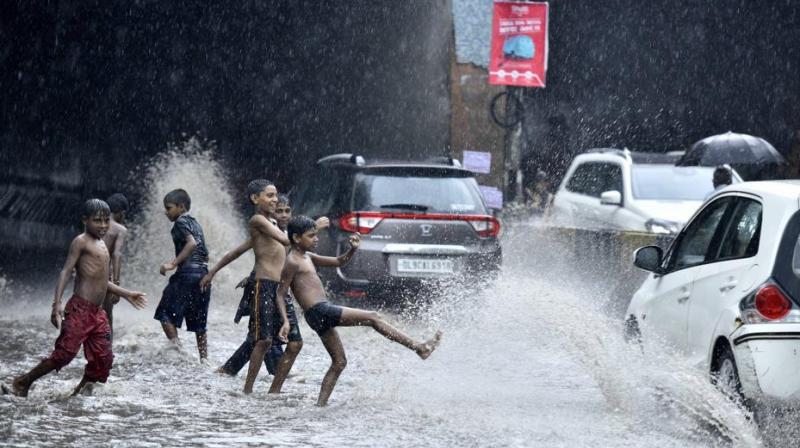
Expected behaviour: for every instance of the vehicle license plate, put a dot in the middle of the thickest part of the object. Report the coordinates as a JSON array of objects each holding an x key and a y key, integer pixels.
[{"x": 427, "y": 265}]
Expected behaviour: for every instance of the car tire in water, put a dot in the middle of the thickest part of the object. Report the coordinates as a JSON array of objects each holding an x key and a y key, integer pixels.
[{"x": 725, "y": 374}]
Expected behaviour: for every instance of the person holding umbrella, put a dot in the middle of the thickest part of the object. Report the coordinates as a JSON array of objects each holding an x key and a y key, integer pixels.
[{"x": 722, "y": 177}]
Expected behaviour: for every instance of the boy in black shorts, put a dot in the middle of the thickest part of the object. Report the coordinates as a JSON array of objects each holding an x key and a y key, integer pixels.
[
  {"x": 299, "y": 273},
  {"x": 281, "y": 216},
  {"x": 183, "y": 298},
  {"x": 269, "y": 246}
]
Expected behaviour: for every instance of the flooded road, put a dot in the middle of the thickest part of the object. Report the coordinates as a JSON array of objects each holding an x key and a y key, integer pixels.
[
  {"x": 523, "y": 363},
  {"x": 530, "y": 360}
]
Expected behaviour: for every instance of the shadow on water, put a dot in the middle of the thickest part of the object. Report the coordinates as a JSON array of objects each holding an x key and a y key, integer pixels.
[{"x": 532, "y": 359}]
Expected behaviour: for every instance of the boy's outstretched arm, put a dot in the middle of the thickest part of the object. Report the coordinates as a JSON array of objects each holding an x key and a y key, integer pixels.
[
  {"x": 75, "y": 249},
  {"x": 136, "y": 298},
  {"x": 341, "y": 260},
  {"x": 224, "y": 261},
  {"x": 191, "y": 244},
  {"x": 264, "y": 226},
  {"x": 287, "y": 277},
  {"x": 322, "y": 222}
]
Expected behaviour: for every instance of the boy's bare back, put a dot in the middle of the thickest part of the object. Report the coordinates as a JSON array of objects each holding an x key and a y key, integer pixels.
[
  {"x": 268, "y": 246},
  {"x": 114, "y": 237}
]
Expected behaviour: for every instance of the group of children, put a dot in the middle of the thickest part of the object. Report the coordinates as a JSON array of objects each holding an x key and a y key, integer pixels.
[{"x": 285, "y": 269}]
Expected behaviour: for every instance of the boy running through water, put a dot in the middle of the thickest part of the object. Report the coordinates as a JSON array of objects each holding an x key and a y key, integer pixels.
[
  {"x": 115, "y": 242},
  {"x": 300, "y": 274},
  {"x": 282, "y": 214},
  {"x": 268, "y": 243},
  {"x": 183, "y": 298},
  {"x": 83, "y": 320}
]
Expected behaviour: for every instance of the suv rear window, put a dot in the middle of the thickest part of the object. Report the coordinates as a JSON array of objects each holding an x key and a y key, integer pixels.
[{"x": 431, "y": 194}]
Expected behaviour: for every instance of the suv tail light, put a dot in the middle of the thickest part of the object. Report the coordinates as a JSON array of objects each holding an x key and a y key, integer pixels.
[
  {"x": 361, "y": 222},
  {"x": 485, "y": 226},
  {"x": 364, "y": 222},
  {"x": 769, "y": 304}
]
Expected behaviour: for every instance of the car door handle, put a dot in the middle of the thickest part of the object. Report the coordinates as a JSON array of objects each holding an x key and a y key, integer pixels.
[
  {"x": 727, "y": 286},
  {"x": 683, "y": 298}
]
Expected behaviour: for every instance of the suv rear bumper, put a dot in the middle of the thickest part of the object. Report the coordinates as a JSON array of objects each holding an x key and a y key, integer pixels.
[{"x": 377, "y": 271}]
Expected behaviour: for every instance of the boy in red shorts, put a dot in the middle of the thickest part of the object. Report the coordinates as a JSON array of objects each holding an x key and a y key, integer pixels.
[{"x": 83, "y": 321}]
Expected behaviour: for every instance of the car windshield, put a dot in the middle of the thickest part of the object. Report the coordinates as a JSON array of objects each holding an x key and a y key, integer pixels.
[
  {"x": 386, "y": 192},
  {"x": 672, "y": 183}
]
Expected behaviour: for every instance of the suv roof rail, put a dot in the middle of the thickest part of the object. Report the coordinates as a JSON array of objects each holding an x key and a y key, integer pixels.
[
  {"x": 445, "y": 161},
  {"x": 353, "y": 159},
  {"x": 625, "y": 152}
]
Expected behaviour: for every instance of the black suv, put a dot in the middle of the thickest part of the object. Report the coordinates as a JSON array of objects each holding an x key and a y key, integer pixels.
[{"x": 418, "y": 221}]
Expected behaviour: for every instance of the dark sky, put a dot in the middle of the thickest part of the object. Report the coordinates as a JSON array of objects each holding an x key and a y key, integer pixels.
[
  {"x": 92, "y": 88},
  {"x": 275, "y": 83}
]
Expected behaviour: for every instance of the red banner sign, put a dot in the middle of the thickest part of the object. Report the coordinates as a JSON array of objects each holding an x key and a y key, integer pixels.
[{"x": 519, "y": 44}]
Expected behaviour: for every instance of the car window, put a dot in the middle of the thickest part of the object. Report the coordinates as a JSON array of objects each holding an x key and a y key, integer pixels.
[
  {"x": 610, "y": 175},
  {"x": 431, "y": 194},
  {"x": 694, "y": 242},
  {"x": 796, "y": 258},
  {"x": 582, "y": 179},
  {"x": 594, "y": 178},
  {"x": 744, "y": 232}
]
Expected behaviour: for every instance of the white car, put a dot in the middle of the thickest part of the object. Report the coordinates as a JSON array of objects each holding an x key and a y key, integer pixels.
[
  {"x": 727, "y": 292},
  {"x": 623, "y": 190}
]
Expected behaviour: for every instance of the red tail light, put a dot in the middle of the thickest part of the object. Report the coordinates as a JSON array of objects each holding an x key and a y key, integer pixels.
[
  {"x": 771, "y": 303},
  {"x": 364, "y": 222},
  {"x": 361, "y": 222},
  {"x": 485, "y": 226}
]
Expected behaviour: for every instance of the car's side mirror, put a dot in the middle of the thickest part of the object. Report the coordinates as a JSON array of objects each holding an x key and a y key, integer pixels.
[
  {"x": 648, "y": 258},
  {"x": 612, "y": 197}
]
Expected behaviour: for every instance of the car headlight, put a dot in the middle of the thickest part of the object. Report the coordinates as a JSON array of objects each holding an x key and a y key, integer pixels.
[{"x": 661, "y": 226}]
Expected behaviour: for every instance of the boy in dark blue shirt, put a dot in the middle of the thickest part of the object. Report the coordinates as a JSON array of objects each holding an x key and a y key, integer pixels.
[{"x": 183, "y": 298}]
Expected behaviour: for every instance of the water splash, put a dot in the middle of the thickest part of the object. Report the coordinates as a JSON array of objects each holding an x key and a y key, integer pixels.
[
  {"x": 646, "y": 383},
  {"x": 506, "y": 344},
  {"x": 189, "y": 165}
]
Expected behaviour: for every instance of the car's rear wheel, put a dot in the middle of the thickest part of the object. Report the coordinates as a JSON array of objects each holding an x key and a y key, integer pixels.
[{"x": 725, "y": 375}]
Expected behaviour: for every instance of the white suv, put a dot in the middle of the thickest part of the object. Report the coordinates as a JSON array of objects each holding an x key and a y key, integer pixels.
[
  {"x": 623, "y": 190},
  {"x": 727, "y": 292}
]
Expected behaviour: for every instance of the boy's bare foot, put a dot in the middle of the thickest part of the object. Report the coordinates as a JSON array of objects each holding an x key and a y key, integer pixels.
[
  {"x": 222, "y": 371},
  {"x": 430, "y": 345},
  {"x": 85, "y": 388},
  {"x": 16, "y": 388}
]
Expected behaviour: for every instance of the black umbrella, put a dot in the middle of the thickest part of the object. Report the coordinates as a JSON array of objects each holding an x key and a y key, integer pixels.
[{"x": 731, "y": 148}]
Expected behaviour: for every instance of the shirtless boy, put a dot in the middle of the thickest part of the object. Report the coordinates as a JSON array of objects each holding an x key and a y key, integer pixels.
[
  {"x": 83, "y": 321},
  {"x": 300, "y": 274},
  {"x": 115, "y": 242},
  {"x": 268, "y": 243},
  {"x": 282, "y": 214}
]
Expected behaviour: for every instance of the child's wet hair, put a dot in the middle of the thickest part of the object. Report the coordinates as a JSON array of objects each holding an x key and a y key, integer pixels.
[
  {"x": 283, "y": 199},
  {"x": 179, "y": 197},
  {"x": 299, "y": 225},
  {"x": 255, "y": 187},
  {"x": 118, "y": 203},
  {"x": 93, "y": 207}
]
